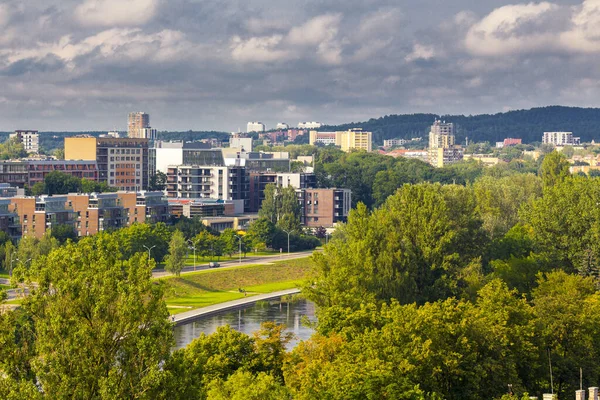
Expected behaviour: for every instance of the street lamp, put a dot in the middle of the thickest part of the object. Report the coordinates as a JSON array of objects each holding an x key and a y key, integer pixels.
[
  {"x": 149, "y": 249},
  {"x": 240, "y": 251},
  {"x": 288, "y": 233},
  {"x": 326, "y": 237},
  {"x": 193, "y": 246}
]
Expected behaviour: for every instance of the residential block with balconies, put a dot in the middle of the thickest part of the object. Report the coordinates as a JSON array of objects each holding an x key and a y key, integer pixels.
[{"x": 40, "y": 214}]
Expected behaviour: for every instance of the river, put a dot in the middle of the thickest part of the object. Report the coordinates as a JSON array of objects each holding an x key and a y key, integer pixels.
[{"x": 248, "y": 320}]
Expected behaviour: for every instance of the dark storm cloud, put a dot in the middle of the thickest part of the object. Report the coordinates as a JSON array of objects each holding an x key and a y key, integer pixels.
[{"x": 208, "y": 64}]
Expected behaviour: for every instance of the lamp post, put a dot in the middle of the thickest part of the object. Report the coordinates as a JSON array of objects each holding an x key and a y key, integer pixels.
[
  {"x": 149, "y": 249},
  {"x": 326, "y": 237},
  {"x": 288, "y": 233},
  {"x": 240, "y": 250},
  {"x": 193, "y": 246}
]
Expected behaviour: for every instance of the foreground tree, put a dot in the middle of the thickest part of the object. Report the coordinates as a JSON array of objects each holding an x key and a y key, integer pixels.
[{"x": 93, "y": 327}]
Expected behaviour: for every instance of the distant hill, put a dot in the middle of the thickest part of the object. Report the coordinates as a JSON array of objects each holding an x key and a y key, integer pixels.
[{"x": 528, "y": 125}]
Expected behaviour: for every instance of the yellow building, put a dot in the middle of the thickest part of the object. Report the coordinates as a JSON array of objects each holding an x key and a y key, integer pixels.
[
  {"x": 351, "y": 139},
  {"x": 80, "y": 148}
]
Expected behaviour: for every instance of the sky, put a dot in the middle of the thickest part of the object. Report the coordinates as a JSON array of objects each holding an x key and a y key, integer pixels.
[{"x": 78, "y": 65}]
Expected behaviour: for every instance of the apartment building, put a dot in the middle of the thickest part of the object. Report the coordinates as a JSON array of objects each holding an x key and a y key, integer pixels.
[
  {"x": 14, "y": 173},
  {"x": 255, "y": 127},
  {"x": 203, "y": 208},
  {"x": 122, "y": 162},
  {"x": 352, "y": 139},
  {"x": 560, "y": 139},
  {"x": 136, "y": 123},
  {"x": 163, "y": 154},
  {"x": 96, "y": 212},
  {"x": 259, "y": 180},
  {"x": 309, "y": 125},
  {"x": 207, "y": 182},
  {"x": 394, "y": 142},
  {"x": 9, "y": 220},
  {"x": 442, "y": 145},
  {"x": 39, "y": 169},
  {"x": 38, "y": 215},
  {"x": 144, "y": 207},
  {"x": 29, "y": 139},
  {"x": 324, "y": 207}
]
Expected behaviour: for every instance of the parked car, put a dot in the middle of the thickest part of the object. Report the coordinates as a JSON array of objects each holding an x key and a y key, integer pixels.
[{"x": 213, "y": 264}]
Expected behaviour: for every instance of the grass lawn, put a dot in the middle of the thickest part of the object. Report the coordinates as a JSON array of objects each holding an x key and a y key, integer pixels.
[
  {"x": 215, "y": 286},
  {"x": 5, "y": 287},
  {"x": 206, "y": 260},
  {"x": 4, "y": 274}
]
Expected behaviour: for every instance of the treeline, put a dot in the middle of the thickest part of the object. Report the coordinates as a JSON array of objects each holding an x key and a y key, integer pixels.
[{"x": 528, "y": 125}]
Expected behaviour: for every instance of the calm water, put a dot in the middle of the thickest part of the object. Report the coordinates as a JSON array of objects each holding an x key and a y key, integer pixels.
[{"x": 248, "y": 320}]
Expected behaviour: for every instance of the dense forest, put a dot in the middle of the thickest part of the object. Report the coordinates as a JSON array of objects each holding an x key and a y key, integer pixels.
[{"x": 528, "y": 125}]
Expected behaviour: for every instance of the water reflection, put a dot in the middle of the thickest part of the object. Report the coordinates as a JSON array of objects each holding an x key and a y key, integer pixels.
[{"x": 248, "y": 320}]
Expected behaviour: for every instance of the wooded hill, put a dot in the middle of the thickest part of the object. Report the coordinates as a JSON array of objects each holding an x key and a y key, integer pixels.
[{"x": 528, "y": 125}]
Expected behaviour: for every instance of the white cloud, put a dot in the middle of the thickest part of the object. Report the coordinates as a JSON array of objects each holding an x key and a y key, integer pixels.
[
  {"x": 323, "y": 28},
  {"x": 258, "y": 49},
  {"x": 513, "y": 29},
  {"x": 584, "y": 35},
  {"x": 116, "y": 44},
  {"x": 420, "y": 52},
  {"x": 116, "y": 12}
]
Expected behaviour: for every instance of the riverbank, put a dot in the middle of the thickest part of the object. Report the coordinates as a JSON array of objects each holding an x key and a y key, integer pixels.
[{"x": 209, "y": 287}]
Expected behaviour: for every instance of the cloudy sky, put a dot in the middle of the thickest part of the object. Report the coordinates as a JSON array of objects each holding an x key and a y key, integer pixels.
[{"x": 216, "y": 64}]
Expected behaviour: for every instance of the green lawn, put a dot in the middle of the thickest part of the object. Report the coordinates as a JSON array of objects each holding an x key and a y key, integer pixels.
[
  {"x": 4, "y": 274},
  {"x": 215, "y": 286},
  {"x": 206, "y": 260},
  {"x": 5, "y": 287}
]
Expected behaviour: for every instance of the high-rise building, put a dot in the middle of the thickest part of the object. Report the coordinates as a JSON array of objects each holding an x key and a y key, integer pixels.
[
  {"x": 282, "y": 125},
  {"x": 255, "y": 127},
  {"x": 136, "y": 123},
  {"x": 560, "y": 139},
  {"x": 442, "y": 145},
  {"x": 122, "y": 162},
  {"x": 29, "y": 139}
]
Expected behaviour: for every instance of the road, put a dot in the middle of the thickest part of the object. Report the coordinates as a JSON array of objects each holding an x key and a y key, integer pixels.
[
  {"x": 159, "y": 273},
  {"x": 180, "y": 319}
]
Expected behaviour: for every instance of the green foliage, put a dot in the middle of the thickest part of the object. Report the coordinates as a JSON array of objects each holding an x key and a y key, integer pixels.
[
  {"x": 177, "y": 253},
  {"x": 243, "y": 385},
  {"x": 281, "y": 207},
  {"x": 554, "y": 169},
  {"x": 190, "y": 227},
  {"x": 158, "y": 181},
  {"x": 57, "y": 182},
  {"x": 62, "y": 233},
  {"x": 565, "y": 224},
  {"x": 138, "y": 238},
  {"x": 411, "y": 249},
  {"x": 95, "y": 327},
  {"x": 12, "y": 149}
]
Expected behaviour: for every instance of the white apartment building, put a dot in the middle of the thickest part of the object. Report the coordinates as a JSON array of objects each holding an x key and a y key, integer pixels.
[
  {"x": 255, "y": 127},
  {"x": 282, "y": 126},
  {"x": 29, "y": 139},
  {"x": 560, "y": 139},
  {"x": 394, "y": 142},
  {"x": 309, "y": 125}
]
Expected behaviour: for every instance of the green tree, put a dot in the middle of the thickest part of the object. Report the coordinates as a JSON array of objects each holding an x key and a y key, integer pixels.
[
  {"x": 177, "y": 253},
  {"x": 243, "y": 385},
  {"x": 158, "y": 181},
  {"x": 260, "y": 233},
  {"x": 110, "y": 318},
  {"x": 269, "y": 206},
  {"x": 411, "y": 249},
  {"x": 57, "y": 182},
  {"x": 205, "y": 243},
  {"x": 64, "y": 232},
  {"x": 38, "y": 189},
  {"x": 554, "y": 169},
  {"x": 229, "y": 242}
]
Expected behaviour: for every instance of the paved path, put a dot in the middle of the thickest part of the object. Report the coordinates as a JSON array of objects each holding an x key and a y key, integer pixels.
[
  {"x": 159, "y": 273},
  {"x": 188, "y": 316}
]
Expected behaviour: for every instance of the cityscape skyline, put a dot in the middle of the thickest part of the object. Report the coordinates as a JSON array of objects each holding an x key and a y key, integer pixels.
[{"x": 83, "y": 65}]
